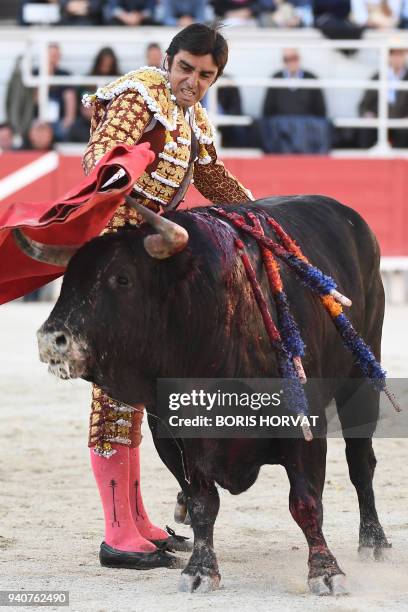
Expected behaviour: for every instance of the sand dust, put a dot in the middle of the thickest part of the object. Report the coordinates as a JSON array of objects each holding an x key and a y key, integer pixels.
[{"x": 51, "y": 520}]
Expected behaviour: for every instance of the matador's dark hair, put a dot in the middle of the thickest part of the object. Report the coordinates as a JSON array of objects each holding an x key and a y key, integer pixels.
[{"x": 200, "y": 39}]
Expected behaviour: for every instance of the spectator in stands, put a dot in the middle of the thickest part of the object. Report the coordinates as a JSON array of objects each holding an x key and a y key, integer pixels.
[
  {"x": 229, "y": 103},
  {"x": 333, "y": 19},
  {"x": 20, "y": 102},
  {"x": 294, "y": 118},
  {"x": 81, "y": 12},
  {"x": 183, "y": 12},
  {"x": 129, "y": 12},
  {"x": 404, "y": 15},
  {"x": 285, "y": 13},
  {"x": 81, "y": 127},
  {"x": 292, "y": 101},
  {"x": 40, "y": 136},
  {"x": 397, "y": 102},
  {"x": 154, "y": 55},
  {"x": 106, "y": 63},
  {"x": 62, "y": 103},
  {"x": 377, "y": 14},
  {"x": 6, "y": 137},
  {"x": 235, "y": 12}
]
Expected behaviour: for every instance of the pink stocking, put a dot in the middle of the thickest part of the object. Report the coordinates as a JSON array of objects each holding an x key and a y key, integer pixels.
[
  {"x": 140, "y": 517},
  {"x": 112, "y": 477}
]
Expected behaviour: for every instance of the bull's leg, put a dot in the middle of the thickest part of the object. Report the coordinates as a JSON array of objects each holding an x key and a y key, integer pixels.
[
  {"x": 201, "y": 573},
  {"x": 172, "y": 453},
  {"x": 306, "y": 472},
  {"x": 358, "y": 408}
]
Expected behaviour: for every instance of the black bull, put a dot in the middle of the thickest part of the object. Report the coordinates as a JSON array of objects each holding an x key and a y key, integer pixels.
[{"x": 124, "y": 319}]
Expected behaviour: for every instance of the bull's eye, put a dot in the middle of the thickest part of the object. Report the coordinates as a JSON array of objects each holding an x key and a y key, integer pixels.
[{"x": 122, "y": 280}]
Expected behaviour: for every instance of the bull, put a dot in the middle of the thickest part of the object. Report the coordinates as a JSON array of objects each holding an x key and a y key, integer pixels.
[{"x": 170, "y": 299}]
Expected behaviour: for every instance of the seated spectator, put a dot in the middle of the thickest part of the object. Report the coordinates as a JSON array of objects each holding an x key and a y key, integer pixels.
[
  {"x": 229, "y": 103},
  {"x": 397, "y": 102},
  {"x": 62, "y": 102},
  {"x": 128, "y": 12},
  {"x": 154, "y": 55},
  {"x": 183, "y": 12},
  {"x": 6, "y": 138},
  {"x": 20, "y": 102},
  {"x": 376, "y": 14},
  {"x": 294, "y": 119},
  {"x": 404, "y": 15},
  {"x": 292, "y": 101},
  {"x": 285, "y": 13},
  {"x": 40, "y": 136},
  {"x": 106, "y": 63},
  {"x": 333, "y": 19},
  {"x": 81, "y": 12},
  {"x": 80, "y": 129},
  {"x": 235, "y": 12}
]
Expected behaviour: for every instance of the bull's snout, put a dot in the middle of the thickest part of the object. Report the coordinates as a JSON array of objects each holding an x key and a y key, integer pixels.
[
  {"x": 53, "y": 344},
  {"x": 65, "y": 355}
]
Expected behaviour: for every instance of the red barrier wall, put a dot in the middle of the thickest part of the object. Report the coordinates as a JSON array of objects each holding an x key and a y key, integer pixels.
[{"x": 378, "y": 189}]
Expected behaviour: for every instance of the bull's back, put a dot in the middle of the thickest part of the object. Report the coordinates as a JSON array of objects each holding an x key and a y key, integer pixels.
[
  {"x": 338, "y": 241},
  {"x": 334, "y": 237}
]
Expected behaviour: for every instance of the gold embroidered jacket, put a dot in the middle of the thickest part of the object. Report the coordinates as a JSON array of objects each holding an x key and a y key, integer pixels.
[
  {"x": 140, "y": 107},
  {"x": 135, "y": 108}
]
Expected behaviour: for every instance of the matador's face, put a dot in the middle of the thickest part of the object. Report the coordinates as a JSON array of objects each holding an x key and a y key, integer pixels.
[{"x": 190, "y": 77}]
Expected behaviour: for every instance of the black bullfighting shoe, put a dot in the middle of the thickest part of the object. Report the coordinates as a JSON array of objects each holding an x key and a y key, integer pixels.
[
  {"x": 111, "y": 557},
  {"x": 174, "y": 542}
]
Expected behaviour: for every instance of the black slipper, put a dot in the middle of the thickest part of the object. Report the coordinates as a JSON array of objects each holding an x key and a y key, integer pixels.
[
  {"x": 174, "y": 542},
  {"x": 111, "y": 557}
]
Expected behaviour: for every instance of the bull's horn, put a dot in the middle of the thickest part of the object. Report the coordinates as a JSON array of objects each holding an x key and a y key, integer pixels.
[
  {"x": 170, "y": 238},
  {"x": 55, "y": 255}
]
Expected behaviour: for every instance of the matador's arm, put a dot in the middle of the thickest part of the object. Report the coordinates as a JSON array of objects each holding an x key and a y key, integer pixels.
[
  {"x": 215, "y": 183},
  {"x": 123, "y": 121}
]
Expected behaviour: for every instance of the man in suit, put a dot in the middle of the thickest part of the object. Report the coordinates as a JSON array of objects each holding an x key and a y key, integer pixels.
[
  {"x": 294, "y": 119},
  {"x": 293, "y": 101},
  {"x": 397, "y": 102}
]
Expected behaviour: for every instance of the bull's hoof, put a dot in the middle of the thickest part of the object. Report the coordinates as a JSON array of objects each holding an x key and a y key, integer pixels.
[
  {"x": 328, "y": 585},
  {"x": 338, "y": 585},
  {"x": 373, "y": 543},
  {"x": 366, "y": 553},
  {"x": 199, "y": 581},
  {"x": 377, "y": 553},
  {"x": 382, "y": 553}
]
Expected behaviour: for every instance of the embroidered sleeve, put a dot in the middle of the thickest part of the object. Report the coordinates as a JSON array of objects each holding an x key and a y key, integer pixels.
[
  {"x": 215, "y": 183},
  {"x": 123, "y": 121}
]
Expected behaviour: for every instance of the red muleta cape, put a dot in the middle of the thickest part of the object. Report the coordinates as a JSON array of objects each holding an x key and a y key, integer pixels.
[{"x": 73, "y": 219}]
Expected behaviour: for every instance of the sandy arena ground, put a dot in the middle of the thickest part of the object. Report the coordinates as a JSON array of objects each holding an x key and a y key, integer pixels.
[{"x": 51, "y": 520}]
